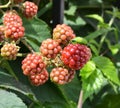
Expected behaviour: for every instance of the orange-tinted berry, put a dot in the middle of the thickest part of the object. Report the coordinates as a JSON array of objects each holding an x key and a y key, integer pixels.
[
  {"x": 33, "y": 64},
  {"x": 30, "y": 9},
  {"x": 13, "y": 25},
  {"x": 39, "y": 78},
  {"x": 59, "y": 75},
  {"x": 9, "y": 51},
  {"x": 50, "y": 48},
  {"x": 63, "y": 33}
]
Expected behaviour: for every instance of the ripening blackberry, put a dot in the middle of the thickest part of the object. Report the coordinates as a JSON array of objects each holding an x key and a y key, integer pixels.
[
  {"x": 13, "y": 25},
  {"x": 14, "y": 31},
  {"x": 59, "y": 75},
  {"x": 30, "y": 9},
  {"x": 39, "y": 78},
  {"x": 75, "y": 56},
  {"x": 33, "y": 64},
  {"x": 9, "y": 51},
  {"x": 63, "y": 33},
  {"x": 11, "y": 16},
  {"x": 50, "y": 48}
]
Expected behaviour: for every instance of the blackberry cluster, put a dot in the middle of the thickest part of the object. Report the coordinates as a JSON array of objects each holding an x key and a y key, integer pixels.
[
  {"x": 63, "y": 33},
  {"x": 9, "y": 51},
  {"x": 13, "y": 25},
  {"x": 57, "y": 52},
  {"x": 30, "y": 9}
]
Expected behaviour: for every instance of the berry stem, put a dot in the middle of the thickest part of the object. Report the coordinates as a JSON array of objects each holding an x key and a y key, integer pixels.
[
  {"x": 6, "y": 5},
  {"x": 27, "y": 45},
  {"x": 22, "y": 54},
  {"x": 104, "y": 36},
  {"x": 80, "y": 102}
]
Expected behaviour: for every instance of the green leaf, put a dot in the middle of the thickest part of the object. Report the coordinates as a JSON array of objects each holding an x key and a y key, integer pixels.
[
  {"x": 107, "y": 68},
  {"x": 79, "y": 40},
  {"x": 97, "y": 33},
  {"x": 74, "y": 21},
  {"x": 92, "y": 84},
  {"x": 8, "y": 82},
  {"x": 88, "y": 69},
  {"x": 110, "y": 101},
  {"x": 59, "y": 105},
  {"x": 94, "y": 49},
  {"x": 72, "y": 89},
  {"x": 10, "y": 100},
  {"x": 71, "y": 11},
  {"x": 36, "y": 31},
  {"x": 44, "y": 9},
  {"x": 97, "y": 17},
  {"x": 113, "y": 48},
  {"x": 5, "y": 64}
]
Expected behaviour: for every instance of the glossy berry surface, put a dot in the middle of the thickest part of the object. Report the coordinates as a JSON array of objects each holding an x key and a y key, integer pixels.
[
  {"x": 39, "y": 78},
  {"x": 75, "y": 56},
  {"x": 63, "y": 34},
  {"x": 13, "y": 25},
  {"x": 9, "y": 51},
  {"x": 33, "y": 64},
  {"x": 11, "y": 16},
  {"x": 30, "y": 9},
  {"x": 50, "y": 48},
  {"x": 59, "y": 75}
]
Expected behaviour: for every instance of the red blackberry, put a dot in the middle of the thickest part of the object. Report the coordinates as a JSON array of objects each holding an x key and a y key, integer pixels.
[
  {"x": 1, "y": 33},
  {"x": 33, "y": 64},
  {"x": 13, "y": 25},
  {"x": 75, "y": 56},
  {"x": 9, "y": 51},
  {"x": 11, "y": 16},
  {"x": 39, "y": 78},
  {"x": 14, "y": 31},
  {"x": 50, "y": 48},
  {"x": 59, "y": 75},
  {"x": 63, "y": 34},
  {"x": 30, "y": 9}
]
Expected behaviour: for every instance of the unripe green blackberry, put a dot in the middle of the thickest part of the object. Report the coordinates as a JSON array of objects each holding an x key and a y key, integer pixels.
[
  {"x": 63, "y": 33},
  {"x": 50, "y": 48},
  {"x": 59, "y": 75},
  {"x": 33, "y": 64},
  {"x": 39, "y": 78},
  {"x": 9, "y": 51}
]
